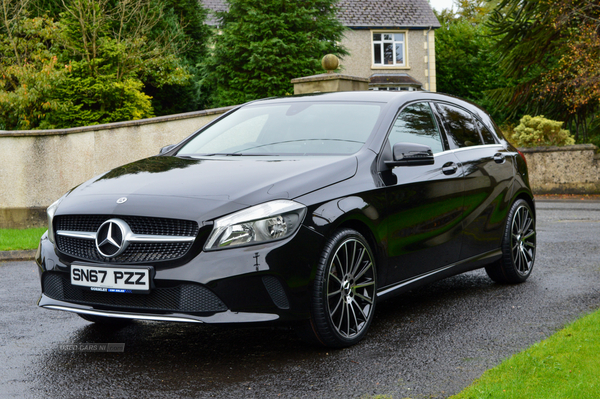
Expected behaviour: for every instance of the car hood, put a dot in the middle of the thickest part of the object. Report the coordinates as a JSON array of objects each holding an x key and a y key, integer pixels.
[{"x": 203, "y": 188}]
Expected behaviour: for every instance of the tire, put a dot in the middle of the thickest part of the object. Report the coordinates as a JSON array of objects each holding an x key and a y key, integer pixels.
[
  {"x": 518, "y": 246},
  {"x": 344, "y": 292},
  {"x": 105, "y": 321}
]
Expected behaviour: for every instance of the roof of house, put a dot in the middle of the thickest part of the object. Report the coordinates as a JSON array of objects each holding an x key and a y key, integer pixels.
[
  {"x": 367, "y": 13},
  {"x": 387, "y": 13}
]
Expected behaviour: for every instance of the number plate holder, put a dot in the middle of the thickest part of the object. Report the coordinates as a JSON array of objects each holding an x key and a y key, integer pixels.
[{"x": 113, "y": 279}]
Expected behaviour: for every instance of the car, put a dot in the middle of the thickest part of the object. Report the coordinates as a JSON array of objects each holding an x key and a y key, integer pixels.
[{"x": 299, "y": 211}]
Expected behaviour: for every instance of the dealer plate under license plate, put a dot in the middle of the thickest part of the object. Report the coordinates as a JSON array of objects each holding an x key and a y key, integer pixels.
[{"x": 112, "y": 279}]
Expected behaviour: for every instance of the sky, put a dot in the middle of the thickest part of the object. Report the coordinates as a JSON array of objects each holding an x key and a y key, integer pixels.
[{"x": 439, "y": 5}]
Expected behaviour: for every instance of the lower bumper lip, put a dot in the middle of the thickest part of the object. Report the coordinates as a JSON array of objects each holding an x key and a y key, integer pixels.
[{"x": 216, "y": 318}]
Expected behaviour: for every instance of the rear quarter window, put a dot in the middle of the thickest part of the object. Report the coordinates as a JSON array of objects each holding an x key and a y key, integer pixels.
[{"x": 488, "y": 137}]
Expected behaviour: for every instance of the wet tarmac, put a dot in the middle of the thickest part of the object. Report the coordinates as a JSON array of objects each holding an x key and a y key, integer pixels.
[{"x": 428, "y": 343}]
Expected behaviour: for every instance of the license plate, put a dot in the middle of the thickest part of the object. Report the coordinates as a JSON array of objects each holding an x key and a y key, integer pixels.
[{"x": 112, "y": 279}]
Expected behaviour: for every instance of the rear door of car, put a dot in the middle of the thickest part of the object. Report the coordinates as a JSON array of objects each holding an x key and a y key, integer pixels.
[
  {"x": 488, "y": 175},
  {"x": 424, "y": 203}
]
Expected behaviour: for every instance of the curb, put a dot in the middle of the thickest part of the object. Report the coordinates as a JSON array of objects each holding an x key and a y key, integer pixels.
[
  {"x": 17, "y": 255},
  {"x": 572, "y": 201}
]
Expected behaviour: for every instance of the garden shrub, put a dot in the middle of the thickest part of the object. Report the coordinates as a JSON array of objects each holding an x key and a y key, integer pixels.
[{"x": 539, "y": 131}]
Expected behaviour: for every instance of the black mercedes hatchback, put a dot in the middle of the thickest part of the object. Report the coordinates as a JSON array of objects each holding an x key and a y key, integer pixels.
[{"x": 305, "y": 211}]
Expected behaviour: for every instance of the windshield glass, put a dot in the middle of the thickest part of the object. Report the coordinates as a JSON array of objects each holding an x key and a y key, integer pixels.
[{"x": 288, "y": 129}]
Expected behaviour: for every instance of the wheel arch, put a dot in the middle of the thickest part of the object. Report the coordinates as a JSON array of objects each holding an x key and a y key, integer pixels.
[
  {"x": 366, "y": 231},
  {"x": 528, "y": 197}
]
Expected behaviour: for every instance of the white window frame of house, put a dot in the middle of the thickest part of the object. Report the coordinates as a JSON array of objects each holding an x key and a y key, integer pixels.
[{"x": 390, "y": 37}]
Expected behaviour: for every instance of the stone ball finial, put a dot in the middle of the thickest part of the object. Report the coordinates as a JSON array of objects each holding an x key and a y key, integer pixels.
[{"x": 330, "y": 63}]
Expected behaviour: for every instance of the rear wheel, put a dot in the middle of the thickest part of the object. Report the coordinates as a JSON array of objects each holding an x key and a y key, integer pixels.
[
  {"x": 343, "y": 297},
  {"x": 518, "y": 246},
  {"x": 105, "y": 321}
]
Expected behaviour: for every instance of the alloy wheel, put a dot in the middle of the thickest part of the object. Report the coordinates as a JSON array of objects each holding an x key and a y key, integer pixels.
[
  {"x": 350, "y": 288},
  {"x": 523, "y": 240}
]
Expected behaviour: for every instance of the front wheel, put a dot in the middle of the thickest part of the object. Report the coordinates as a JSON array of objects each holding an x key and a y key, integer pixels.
[
  {"x": 518, "y": 246},
  {"x": 344, "y": 291}
]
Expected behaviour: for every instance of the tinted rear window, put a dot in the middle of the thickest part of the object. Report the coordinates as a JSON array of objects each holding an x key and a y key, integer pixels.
[{"x": 460, "y": 126}]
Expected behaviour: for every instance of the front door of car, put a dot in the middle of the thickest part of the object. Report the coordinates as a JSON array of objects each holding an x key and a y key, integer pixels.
[
  {"x": 488, "y": 172},
  {"x": 424, "y": 203}
]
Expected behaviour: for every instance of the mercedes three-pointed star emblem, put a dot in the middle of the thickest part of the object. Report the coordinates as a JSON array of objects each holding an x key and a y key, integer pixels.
[{"x": 111, "y": 238}]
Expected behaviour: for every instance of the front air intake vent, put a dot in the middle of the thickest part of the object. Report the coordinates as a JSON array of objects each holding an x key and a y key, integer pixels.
[{"x": 189, "y": 298}]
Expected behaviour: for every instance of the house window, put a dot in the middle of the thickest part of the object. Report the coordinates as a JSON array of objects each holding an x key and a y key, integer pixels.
[{"x": 389, "y": 49}]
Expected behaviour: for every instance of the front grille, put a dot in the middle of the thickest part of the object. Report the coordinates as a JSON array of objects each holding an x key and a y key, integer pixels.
[
  {"x": 136, "y": 252},
  {"x": 138, "y": 224},
  {"x": 188, "y": 298}
]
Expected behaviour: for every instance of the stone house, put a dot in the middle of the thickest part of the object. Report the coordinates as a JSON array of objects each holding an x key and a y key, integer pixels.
[{"x": 391, "y": 42}]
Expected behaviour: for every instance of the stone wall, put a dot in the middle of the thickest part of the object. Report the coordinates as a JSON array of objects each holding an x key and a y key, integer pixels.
[
  {"x": 571, "y": 169},
  {"x": 39, "y": 166}
]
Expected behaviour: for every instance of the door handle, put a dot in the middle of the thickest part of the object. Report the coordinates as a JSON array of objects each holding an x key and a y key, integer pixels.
[
  {"x": 499, "y": 158},
  {"x": 449, "y": 168}
]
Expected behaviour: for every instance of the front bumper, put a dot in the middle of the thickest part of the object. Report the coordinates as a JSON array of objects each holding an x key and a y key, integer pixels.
[
  {"x": 256, "y": 284},
  {"x": 225, "y": 317}
]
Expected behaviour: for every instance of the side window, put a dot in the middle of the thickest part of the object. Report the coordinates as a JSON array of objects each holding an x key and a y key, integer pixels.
[
  {"x": 488, "y": 137},
  {"x": 460, "y": 126},
  {"x": 416, "y": 124}
]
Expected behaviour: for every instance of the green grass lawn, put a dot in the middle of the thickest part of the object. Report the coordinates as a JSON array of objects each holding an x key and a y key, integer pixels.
[
  {"x": 13, "y": 239},
  {"x": 566, "y": 365}
]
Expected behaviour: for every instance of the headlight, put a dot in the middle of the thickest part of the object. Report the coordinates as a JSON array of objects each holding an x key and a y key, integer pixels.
[
  {"x": 50, "y": 212},
  {"x": 256, "y": 225}
]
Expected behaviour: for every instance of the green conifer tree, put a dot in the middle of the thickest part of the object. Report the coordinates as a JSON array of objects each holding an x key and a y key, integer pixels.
[{"x": 263, "y": 44}]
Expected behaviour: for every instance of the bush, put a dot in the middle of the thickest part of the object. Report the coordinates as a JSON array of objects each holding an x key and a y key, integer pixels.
[
  {"x": 91, "y": 100},
  {"x": 539, "y": 131}
]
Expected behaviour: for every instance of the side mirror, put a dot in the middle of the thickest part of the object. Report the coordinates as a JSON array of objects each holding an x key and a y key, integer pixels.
[
  {"x": 167, "y": 148},
  {"x": 411, "y": 154}
]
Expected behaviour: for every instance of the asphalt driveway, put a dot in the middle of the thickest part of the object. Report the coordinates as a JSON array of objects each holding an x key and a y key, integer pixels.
[{"x": 431, "y": 342}]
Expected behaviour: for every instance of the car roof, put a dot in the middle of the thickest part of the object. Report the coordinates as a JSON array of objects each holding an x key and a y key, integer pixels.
[
  {"x": 393, "y": 100},
  {"x": 396, "y": 98},
  {"x": 358, "y": 96}
]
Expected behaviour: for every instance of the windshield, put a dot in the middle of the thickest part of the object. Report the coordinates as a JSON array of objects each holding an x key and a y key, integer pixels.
[{"x": 288, "y": 129}]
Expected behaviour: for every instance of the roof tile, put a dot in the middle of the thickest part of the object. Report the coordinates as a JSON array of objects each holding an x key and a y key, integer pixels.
[{"x": 368, "y": 13}]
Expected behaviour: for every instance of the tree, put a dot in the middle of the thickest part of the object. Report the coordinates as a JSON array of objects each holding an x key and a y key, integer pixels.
[
  {"x": 101, "y": 62},
  {"x": 263, "y": 44},
  {"x": 29, "y": 71},
  {"x": 111, "y": 48},
  {"x": 465, "y": 57},
  {"x": 552, "y": 48},
  {"x": 189, "y": 15}
]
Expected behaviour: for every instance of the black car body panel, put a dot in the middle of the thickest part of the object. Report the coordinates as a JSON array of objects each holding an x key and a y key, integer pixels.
[{"x": 422, "y": 222}]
